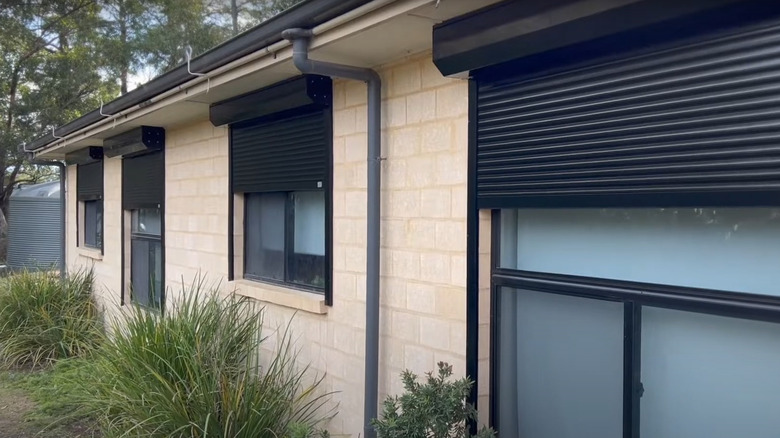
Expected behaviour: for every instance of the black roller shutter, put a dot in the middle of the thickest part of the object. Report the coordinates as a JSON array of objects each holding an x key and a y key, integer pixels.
[
  {"x": 89, "y": 181},
  {"x": 143, "y": 181},
  {"x": 693, "y": 125},
  {"x": 283, "y": 154}
]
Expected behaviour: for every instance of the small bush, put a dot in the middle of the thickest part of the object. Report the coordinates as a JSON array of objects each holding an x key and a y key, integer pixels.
[
  {"x": 44, "y": 318},
  {"x": 193, "y": 372},
  {"x": 434, "y": 409}
]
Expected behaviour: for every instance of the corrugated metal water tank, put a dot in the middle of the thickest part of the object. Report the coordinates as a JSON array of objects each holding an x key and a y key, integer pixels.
[{"x": 34, "y": 227}]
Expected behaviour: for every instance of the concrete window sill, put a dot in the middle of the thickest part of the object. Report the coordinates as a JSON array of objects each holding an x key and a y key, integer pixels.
[
  {"x": 90, "y": 253},
  {"x": 282, "y": 296}
]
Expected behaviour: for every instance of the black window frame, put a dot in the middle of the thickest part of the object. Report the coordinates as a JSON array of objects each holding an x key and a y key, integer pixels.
[
  {"x": 143, "y": 187},
  {"x": 319, "y": 104},
  {"x": 289, "y": 239},
  {"x": 634, "y": 296},
  {"x": 152, "y": 241},
  {"x": 93, "y": 238},
  {"x": 90, "y": 189}
]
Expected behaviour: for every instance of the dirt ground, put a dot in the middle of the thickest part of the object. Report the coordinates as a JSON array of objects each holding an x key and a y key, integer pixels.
[{"x": 15, "y": 406}]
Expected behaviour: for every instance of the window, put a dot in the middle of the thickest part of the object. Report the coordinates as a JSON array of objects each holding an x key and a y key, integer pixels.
[
  {"x": 93, "y": 224},
  {"x": 281, "y": 164},
  {"x": 146, "y": 257},
  {"x": 625, "y": 322},
  {"x": 285, "y": 238},
  {"x": 89, "y": 193}
]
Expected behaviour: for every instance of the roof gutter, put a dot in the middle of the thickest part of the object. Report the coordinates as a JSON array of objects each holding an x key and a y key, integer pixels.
[{"x": 307, "y": 14}]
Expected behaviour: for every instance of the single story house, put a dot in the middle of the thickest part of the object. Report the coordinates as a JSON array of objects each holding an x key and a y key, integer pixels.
[{"x": 574, "y": 202}]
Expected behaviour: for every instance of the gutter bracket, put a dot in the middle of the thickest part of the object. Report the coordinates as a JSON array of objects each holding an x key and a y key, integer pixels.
[{"x": 188, "y": 53}]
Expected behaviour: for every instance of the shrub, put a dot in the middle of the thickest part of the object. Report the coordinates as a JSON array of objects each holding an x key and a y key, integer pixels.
[
  {"x": 434, "y": 409},
  {"x": 44, "y": 318},
  {"x": 193, "y": 371}
]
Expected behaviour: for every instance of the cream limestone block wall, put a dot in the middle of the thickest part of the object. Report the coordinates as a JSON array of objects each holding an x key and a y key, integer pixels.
[
  {"x": 423, "y": 259},
  {"x": 196, "y": 204}
]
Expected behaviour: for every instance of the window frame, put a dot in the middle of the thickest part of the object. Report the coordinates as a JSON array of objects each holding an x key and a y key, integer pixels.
[
  {"x": 237, "y": 272},
  {"x": 86, "y": 193},
  {"x": 97, "y": 233},
  {"x": 130, "y": 184},
  {"x": 289, "y": 243},
  {"x": 634, "y": 295},
  {"x": 150, "y": 238}
]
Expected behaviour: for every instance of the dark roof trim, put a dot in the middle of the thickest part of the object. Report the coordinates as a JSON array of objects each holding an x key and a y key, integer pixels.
[
  {"x": 497, "y": 34},
  {"x": 293, "y": 93},
  {"x": 307, "y": 14}
]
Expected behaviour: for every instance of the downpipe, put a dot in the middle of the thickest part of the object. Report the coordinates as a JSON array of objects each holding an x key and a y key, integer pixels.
[{"x": 300, "y": 39}]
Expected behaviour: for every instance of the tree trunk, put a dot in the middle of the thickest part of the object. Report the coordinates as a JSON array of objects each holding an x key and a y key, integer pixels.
[
  {"x": 234, "y": 15},
  {"x": 125, "y": 66}
]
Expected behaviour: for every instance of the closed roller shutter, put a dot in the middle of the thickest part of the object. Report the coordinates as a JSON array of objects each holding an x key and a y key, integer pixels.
[
  {"x": 284, "y": 154},
  {"x": 89, "y": 181},
  {"x": 143, "y": 181},
  {"x": 689, "y": 126}
]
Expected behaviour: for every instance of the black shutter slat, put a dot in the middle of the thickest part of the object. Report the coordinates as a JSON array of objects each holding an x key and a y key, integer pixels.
[
  {"x": 281, "y": 155},
  {"x": 143, "y": 181},
  {"x": 89, "y": 181},
  {"x": 676, "y": 126}
]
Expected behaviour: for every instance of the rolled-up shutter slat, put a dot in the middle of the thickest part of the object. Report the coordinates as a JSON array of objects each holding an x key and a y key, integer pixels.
[
  {"x": 687, "y": 126},
  {"x": 89, "y": 181},
  {"x": 281, "y": 155},
  {"x": 143, "y": 181}
]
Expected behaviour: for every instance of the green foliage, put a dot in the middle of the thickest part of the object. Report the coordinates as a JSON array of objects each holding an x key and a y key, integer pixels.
[
  {"x": 44, "y": 318},
  {"x": 56, "y": 392},
  {"x": 195, "y": 371},
  {"x": 434, "y": 409}
]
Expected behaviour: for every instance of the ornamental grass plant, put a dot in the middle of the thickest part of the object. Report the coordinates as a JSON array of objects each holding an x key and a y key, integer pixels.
[
  {"x": 198, "y": 370},
  {"x": 44, "y": 318}
]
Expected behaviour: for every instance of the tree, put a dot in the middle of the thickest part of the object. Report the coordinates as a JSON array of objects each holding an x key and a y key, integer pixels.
[
  {"x": 122, "y": 23},
  {"x": 49, "y": 75},
  {"x": 171, "y": 27}
]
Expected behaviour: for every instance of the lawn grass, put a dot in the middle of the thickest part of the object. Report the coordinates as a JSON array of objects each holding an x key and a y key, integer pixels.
[{"x": 55, "y": 394}]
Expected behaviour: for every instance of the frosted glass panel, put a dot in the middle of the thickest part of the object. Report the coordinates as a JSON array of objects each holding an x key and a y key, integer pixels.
[
  {"x": 309, "y": 223},
  {"x": 734, "y": 249},
  {"x": 560, "y": 366},
  {"x": 709, "y": 376}
]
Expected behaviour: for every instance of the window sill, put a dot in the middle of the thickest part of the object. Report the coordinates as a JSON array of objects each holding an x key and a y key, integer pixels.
[
  {"x": 282, "y": 296},
  {"x": 90, "y": 253}
]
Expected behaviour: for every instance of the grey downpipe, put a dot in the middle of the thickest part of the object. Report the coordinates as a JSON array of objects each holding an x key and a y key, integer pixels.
[
  {"x": 300, "y": 41},
  {"x": 63, "y": 204}
]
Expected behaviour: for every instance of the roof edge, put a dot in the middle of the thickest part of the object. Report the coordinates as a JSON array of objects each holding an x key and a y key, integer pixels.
[{"x": 307, "y": 14}]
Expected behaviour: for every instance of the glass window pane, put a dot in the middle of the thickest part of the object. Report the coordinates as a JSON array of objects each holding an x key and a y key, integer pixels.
[
  {"x": 709, "y": 376},
  {"x": 93, "y": 223},
  {"x": 147, "y": 221},
  {"x": 309, "y": 208},
  {"x": 560, "y": 366},
  {"x": 725, "y": 248},
  {"x": 146, "y": 272},
  {"x": 265, "y": 227},
  {"x": 307, "y": 264},
  {"x": 140, "y": 289},
  {"x": 155, "y": 268}
]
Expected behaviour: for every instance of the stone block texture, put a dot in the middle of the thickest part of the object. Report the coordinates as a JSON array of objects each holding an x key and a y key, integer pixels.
[{"x": 423, "y": 259}]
